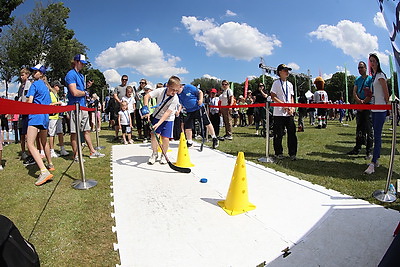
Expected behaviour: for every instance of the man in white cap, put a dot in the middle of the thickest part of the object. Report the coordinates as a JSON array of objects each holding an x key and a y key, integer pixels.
[{"x": 75, "y": 82}]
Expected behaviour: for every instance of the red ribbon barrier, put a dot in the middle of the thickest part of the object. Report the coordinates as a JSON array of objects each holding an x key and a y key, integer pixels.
[
  {"x": 16, "y": 107},
  {"x": 300, "y": 105}
]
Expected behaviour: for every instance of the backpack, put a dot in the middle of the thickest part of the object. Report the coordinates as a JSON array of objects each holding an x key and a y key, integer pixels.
[{"x": 14, "y": 249}]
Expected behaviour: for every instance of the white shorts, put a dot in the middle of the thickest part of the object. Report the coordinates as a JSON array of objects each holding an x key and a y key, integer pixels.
[{"x": 55, "y": 127}]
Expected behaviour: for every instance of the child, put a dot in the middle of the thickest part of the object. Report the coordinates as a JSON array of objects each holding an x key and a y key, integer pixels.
[
  {"x": 38, "y": 124},
  {"x": 130, "y": 99},
  {"x": 163, "y": 116},
  {"x": 321, "y": 97},
  {"x": 125, "y": 123}
]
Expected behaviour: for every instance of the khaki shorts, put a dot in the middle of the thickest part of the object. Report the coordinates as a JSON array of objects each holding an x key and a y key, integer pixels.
[
  {"x": 84, "y": 121},
  {"x": 55, "y": 127}
]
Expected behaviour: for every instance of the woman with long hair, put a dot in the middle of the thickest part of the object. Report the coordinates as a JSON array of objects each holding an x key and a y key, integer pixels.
[{"x": 380, "y": 96}]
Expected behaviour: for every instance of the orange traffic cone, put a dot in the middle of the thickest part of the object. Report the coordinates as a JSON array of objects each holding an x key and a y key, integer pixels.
[
  {"x": 237, "y": 200},
  {"x": 183, "y": 153}
]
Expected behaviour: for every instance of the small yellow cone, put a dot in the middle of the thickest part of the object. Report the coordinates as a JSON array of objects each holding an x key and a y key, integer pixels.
[
  {"x": 237, "y": 199},
  {"x": 183, "y": 153},
  {"x": 159, "y": 148}
]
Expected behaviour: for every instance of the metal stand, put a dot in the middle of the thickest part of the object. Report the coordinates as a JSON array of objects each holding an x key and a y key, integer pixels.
[
  {"x": 386, "y": 195},
  {"x": 267, "y": 158},
  {"x": 96, "y": 121},
  {"x": 83, "y": 183}
]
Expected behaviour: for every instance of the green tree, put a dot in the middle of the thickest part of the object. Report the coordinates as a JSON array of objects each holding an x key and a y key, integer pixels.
[
  {"x": 6, "y": 8},
  {"x": 99, "y": 82},
  {"x": 336, "y": 87}
]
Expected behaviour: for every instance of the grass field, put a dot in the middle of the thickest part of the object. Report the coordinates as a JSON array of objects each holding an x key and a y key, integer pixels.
[{"x": 73, "y": 227}]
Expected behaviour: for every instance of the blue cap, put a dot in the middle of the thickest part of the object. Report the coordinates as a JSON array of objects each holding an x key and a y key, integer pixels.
[
  {"x": 80, "y": 58},
  {"x": 40, "y": 68}
]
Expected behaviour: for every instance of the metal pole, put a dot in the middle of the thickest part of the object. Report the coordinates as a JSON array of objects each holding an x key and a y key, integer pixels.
[
  {"x": 83, "y": 183},
  {"x": 96, "y": 121},
  {"x": 266, "y": 159},
  {"x": 386, "y": 195}
]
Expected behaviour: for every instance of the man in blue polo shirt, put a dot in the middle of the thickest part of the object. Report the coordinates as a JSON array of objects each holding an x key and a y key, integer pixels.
[
  {"x": 75, "y": 82},
  {"x": 191, "y": 99}
]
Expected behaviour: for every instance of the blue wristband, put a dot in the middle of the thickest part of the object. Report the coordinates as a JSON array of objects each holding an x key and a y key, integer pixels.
[{"x": 144, "y": 110}]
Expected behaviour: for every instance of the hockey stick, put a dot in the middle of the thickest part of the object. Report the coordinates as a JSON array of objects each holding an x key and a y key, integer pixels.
[
  {"x": 202, "y": 130},
  {"x": 172, "y": 166}
]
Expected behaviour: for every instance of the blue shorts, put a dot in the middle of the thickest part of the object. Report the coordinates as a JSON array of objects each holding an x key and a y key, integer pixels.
[
  {"x": 39, "y": 120},
  {"x": 165, "y": 129}
]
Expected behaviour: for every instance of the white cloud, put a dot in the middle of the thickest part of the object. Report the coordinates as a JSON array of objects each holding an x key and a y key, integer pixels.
[
  {"x": 350, "y": 37},
  {"x": 230, "y": 13},
  {"x": 208, "y": 76},
  {"x": 112, "y": 76},
  {"x": 342, "y": 69},
  {"x": 144, "y": 56},
  {"x": 293, "y": 65},
  {"x": 379, "y": 20},
  {"x": 231, "y": 39},
  {"x": 326, "y": 76}
]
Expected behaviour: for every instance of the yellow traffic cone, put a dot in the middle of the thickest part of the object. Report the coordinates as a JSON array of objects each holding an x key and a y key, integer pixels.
[
  {"x": 237, "y": 200},
  {"x": 159, "y": 148},
  {"x": 183, "y": 153}
]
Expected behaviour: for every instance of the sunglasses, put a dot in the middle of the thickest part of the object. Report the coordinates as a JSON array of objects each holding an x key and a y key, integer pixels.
[
  {"x": 224, "y": 84},
  {"x": 142, "y": 82},
  {"x": 124, "y": 79}
]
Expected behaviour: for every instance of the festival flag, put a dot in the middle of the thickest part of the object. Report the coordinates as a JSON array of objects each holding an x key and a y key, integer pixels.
[
  {"x": 232, "y": 87},
  {"x": 393, "y": 96},
  {"x": 392, "y": 20},
  {"x": 246, "y": 86}
]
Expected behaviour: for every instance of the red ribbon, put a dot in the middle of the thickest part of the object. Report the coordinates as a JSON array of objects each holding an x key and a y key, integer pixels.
[
  {"x": 16, "y": 107},
  {"x": 300, "y": 105}
]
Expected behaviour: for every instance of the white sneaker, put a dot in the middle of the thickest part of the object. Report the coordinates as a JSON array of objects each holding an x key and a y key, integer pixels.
[
  {"x": 53, "y": 154},
  {"x": 64, "y": 152},
  {"x": 163, "y": 160},
  {"x": 96, "y": 154},
  {"x": 370, "y": 169},
  {"x": 1, "y": 167},
  {"x": 152, "y": 159}
]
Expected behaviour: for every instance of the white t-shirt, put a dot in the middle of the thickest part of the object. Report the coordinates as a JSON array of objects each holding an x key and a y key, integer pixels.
[
  {"x": 321, "y": 96},
  {"x": 130, "y": 101},
  {"x": 378, "y": 98},
  {"x": 162, "y": 97},
  {"x": 124, "y": 117},
  {"x": 224, "y": 97},
  {"x": 284, "y": 92}
]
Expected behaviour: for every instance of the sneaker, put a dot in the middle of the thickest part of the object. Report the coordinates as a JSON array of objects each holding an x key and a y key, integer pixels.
[
  {"x": 42, "y": 155},
  {"x": 131, "y": 141},
  {"x": 125, "y": 142},
  {"x": 215, "y": 143},
  {"x": 370, "y": 169},
  {"x": 163, "y": 160},
  {"x": 96, "y": 154},
  {"x": 24, "y": 155},
  {"x": 324, "y": 125},
  {"x": 29, "y": 161},
  {"x": 293, "y": 157},
  {"x": 280, "y": 156},
  {"x": 152, "y": 159},
  {"x": 44, "y": 177},
  {"x": 257, "y": 133},
  {"x": 53, "y": 154},
  {"x": 228, "y": 137},
  {"x": 64, "y": 152},
  {"x": 50, "y": 167},
  {"x": 189, "y": 144},
  {"x": 220, "y": 138},
  {"x": 76, "y": 159},
  {"x": 353, "y": 152},
  {"x": 319, "y": 127}
]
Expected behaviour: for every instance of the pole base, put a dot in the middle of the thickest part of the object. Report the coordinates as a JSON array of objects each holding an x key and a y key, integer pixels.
[
  {"x": 381, "y": 196},
  {"x": 79, "y": 184},
  {"x": 266, "y": 160}
]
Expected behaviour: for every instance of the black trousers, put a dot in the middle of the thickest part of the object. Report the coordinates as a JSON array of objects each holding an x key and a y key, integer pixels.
[
  {"x": 364, "y": 132},
  {"x": 215, "y": 119},
  {"x": 280, "y": 124}
]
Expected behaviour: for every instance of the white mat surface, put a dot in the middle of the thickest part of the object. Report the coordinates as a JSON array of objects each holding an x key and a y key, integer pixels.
[{"x": 164, "y": 218}]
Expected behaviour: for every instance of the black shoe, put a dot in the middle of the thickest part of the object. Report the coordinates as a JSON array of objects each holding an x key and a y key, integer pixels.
[
  {"x": 215, "y": 143},
  {"x": 324, "y": 125},
  {"x": 319, "y": 127},
  {"x": 353, "y": 152},
  {"x": 220, "y": 138},
  {"x": 189, "y": 144},
  {"x": 29, "y": 161}
]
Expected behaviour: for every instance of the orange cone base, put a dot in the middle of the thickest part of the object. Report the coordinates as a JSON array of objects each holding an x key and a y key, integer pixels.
[{"x": 247, "y": 207}]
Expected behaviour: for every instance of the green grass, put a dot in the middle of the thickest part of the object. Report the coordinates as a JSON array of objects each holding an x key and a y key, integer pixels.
[{"x": 73, "y": 227}]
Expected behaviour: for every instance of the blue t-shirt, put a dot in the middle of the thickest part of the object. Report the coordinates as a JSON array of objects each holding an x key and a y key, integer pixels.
[
  {"x": 189, "y": 98},
  {"x": 41, "y": 95},
  {"x": 75, "y": 77},
  {"x": 362, "y": 83}
]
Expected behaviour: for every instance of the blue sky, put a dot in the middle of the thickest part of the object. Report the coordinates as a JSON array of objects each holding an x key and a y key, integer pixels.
[{"x": 224, "y": 39}]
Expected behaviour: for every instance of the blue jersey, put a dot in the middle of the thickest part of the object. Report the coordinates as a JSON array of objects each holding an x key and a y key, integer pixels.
[
  {"x": 361, "y": 83},
  {"x": 189, "y": 98},
  {"x": 77, "y": 78},
  {"x": 41, "y": 95}
]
